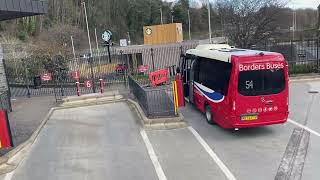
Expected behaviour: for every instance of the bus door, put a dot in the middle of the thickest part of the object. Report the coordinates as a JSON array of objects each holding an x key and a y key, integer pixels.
[{"x": 185, "y": 66}]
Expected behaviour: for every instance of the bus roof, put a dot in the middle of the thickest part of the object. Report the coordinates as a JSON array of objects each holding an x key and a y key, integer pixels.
[{"x": 222, "y": 52}]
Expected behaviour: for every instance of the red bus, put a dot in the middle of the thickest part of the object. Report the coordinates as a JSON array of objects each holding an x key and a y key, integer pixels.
[{"x": 236, "y": 88}]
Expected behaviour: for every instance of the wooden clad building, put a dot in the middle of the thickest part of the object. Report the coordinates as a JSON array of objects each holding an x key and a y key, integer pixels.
[{"x": 163, "y": 34}]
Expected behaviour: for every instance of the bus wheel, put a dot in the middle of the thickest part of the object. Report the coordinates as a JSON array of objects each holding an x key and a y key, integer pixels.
[{"x": 208, "y": 114}]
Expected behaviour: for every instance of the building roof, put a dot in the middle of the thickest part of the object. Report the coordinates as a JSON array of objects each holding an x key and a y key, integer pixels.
[
  {"x": 11, "y": 9},
  {"x": 222, "y": 52}
]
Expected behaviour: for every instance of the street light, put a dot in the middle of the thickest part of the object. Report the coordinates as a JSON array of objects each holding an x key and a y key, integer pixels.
[
  {"x": 172, "y": 16},
  {"x": 161, "y": 15},
  {"x": 189, "y": 23},
  {"x": 85, "y": 12},
  {"x": 209, "y": 21}
]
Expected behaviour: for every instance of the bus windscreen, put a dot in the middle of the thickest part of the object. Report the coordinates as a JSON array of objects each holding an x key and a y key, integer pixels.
[{"x": 261, "y": 82}]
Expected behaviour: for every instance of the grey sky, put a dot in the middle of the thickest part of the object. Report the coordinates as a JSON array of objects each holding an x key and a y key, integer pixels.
[{"x": 292, "y": 4}]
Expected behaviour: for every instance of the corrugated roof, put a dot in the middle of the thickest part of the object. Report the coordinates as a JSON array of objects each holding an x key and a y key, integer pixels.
[{"x": 11, "y": 9}]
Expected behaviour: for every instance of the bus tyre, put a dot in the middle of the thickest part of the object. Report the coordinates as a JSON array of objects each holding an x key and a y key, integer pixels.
[{"x": 208, "y": 114}]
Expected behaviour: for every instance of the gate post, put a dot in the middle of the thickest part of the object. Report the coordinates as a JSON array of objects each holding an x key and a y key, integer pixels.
[
  {"x": 78, "y": 88},
  {"x": 26, "y": 77},
  {"x": 92, "y": 75},
  {"x": 152, "y": 59},
  {"x": 317, "y": 44}
]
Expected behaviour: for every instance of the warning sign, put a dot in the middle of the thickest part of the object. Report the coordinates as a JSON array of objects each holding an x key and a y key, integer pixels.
[
  {"x": 46, "y": 77},
  {"x": 75, "y": 75}
]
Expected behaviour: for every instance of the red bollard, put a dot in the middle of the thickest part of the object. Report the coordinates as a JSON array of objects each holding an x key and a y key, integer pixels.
[
  {"x": 180, "y": 90},
  {"x": 101, "y": 86},
  {"x": 78, "y": 88}
]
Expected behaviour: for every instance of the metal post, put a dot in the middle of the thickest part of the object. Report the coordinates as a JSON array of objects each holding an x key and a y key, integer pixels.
[
  {"x": 171, "y": 16},
  {"x": 189, "y": 23},
  {"x": 161, "y": 15},
  {"x": 92, "y": 75},
  {"x": 26, "y": 78},
  {"x": 109, "y": 55},
  {"x": 74, "y": 53},
  {"x": 98, "y": 50},
  {"x": 129, "y": 39},
  {"x": 152, "y": 59},
  {"x": 78, "y": 88},
  {"x": 209, "y": 22},
  {"x": 317, "y": 44},
  {"x": 85, "y": 13},
  {"x": 61, "y": 87}
]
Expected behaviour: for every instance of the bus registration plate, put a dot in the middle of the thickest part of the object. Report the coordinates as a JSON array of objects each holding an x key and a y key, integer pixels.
[{"x": 249, "y": 117}]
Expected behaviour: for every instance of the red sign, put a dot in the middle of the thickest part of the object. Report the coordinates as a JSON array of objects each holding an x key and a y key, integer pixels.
[
  {"x": 158, "y": 77},
  {"x": 46, "y": 77},
  {"x": 143, "y": 68},
  {"x": 88, "y": 84},
  {"x": 76, "y": 75},
  {"x": 5, "y": 132},
  {"x": 260, "y": 66}
]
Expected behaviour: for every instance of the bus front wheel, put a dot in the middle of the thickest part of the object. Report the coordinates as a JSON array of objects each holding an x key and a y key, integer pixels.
[{"x": 209, "y": 116}]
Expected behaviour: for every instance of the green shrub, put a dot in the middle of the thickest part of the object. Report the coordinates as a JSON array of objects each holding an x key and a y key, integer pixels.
[
  {"x": 23, "y": 36},
  {"x": 302, "y": 68}
]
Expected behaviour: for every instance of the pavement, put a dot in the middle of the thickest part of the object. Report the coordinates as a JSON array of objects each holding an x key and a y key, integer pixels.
[
  {"x": 26, "y": 116},
  {"x": 107, "y": 142}
]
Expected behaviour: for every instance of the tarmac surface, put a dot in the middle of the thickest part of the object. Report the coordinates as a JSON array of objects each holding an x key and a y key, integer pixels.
[{"x": 107, "y": 142}]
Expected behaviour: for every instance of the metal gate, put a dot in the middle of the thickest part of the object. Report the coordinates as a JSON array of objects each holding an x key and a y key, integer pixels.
[{"x": 57, "y": 75}]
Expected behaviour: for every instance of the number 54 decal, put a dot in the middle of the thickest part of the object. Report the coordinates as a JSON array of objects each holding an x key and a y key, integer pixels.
[{"x": 249, "y": 84}]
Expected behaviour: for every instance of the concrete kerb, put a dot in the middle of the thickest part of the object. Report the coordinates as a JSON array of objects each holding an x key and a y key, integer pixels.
[
  {"x": 159, "y": 123},
  {"x": 304, "y": 78}
]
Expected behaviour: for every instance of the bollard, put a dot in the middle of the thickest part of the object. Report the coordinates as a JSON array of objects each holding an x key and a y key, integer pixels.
[
  {"x": 101, "y": 86},
  {"x": 78, "y": 88},
  {"x": 180, "y": 93}
]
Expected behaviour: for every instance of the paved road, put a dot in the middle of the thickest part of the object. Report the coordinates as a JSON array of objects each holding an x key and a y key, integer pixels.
[{"x": 106, "y": 141}]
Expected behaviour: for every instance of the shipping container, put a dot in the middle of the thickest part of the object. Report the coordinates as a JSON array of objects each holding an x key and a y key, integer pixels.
[{"x": 163, "y": 34}]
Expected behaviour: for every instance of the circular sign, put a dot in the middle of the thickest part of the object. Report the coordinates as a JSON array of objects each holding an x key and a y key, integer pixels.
[
  {"x": 106, "y": 36},
  {"x": 88, "y": 83},
  {"x": 148, "y": 31}
]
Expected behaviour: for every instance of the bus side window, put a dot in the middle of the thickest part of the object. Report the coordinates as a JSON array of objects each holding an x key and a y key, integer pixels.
[{"x": 215, "y": 75}]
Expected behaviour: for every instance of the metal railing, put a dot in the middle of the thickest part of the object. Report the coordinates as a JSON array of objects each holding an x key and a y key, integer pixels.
[
  {"x": 155, "y": 102},
  {"x": 303, "y": 56}
]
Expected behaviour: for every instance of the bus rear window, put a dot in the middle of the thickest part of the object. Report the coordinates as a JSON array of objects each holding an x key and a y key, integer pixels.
[{"x": 261, "y": 82}]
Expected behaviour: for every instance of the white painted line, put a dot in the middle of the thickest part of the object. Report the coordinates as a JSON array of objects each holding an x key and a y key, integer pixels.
[
  {"x": 153, "y": 156},
  {"x": 213, "y": 155},
  {"x": 304, "y": 127},
  {"x": 9, "y": 176}
]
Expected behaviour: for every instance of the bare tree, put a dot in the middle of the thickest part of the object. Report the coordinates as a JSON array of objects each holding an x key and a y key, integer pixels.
[{"x": 247, "y": 22}]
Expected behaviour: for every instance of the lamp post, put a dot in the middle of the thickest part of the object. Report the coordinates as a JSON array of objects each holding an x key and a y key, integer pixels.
[
  {"x": 209, "y": 21},
  {"x": 85, "y": 13},
  {"x": 189, "y": 23},
  {"x": 161, "y": 15}
]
